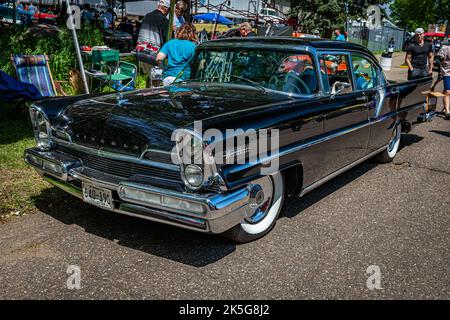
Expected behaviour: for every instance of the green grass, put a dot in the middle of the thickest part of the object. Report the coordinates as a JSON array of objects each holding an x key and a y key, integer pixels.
[
  {"x": 15, "y": 136},
  {"x": 20, "y": 186}
]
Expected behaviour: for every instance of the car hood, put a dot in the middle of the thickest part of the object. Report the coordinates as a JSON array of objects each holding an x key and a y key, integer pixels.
[{"x": 135, "y": 121}]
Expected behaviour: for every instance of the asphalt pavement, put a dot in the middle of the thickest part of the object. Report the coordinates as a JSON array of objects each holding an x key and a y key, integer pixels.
[{"x": 392, "y": 218}]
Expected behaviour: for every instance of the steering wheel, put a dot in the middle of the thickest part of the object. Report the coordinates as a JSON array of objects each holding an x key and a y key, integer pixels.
[{"x": 294, "y": 85}]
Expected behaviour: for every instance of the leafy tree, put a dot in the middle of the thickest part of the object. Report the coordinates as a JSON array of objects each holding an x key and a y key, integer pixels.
[
  {"x": 413, "y": 14},
  {"x": 326, "y": 15}
]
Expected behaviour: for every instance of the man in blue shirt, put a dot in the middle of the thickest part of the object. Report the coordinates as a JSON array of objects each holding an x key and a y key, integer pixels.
[
  {"x": 108, "y": 19},
  {"x": 339, "y": 35},
  {"x": 32, "y": 9}
]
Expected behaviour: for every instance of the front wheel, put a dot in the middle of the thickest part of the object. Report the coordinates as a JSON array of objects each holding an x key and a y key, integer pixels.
[
  {"x": 266, "y": 201},
  {"x": 392, "y": 148}
]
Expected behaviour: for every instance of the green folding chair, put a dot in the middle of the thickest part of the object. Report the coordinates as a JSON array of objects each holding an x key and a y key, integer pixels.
[
  {"x": 124, "y": 77},
  {"x": 108, "y": 70}
]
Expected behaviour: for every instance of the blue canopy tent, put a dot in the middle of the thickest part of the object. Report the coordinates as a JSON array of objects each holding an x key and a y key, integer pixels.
[{"x": 213, "y": 17}]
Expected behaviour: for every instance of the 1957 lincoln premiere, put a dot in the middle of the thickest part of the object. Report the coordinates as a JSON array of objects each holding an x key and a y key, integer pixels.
[{"x": 325, "y": 105}]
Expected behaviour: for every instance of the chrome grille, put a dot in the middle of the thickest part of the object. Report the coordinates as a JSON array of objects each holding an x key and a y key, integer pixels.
[{"x": 118, "y": 167}]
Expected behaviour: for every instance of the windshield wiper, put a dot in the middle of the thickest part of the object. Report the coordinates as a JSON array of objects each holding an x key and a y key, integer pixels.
[{"x": 253, "y": 83}]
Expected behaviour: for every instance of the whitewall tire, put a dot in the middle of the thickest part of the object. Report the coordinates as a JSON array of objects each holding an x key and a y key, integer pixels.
[
  {"x": 266, "y": 201},
  {"x": 392, "y": 148}
]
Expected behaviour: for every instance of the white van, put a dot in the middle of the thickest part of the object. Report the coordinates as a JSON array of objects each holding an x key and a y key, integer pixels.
[{"x": 270, "y": 14}]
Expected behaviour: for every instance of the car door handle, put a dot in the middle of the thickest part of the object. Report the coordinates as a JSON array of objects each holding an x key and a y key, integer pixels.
[{"x": 361, "y": 98}]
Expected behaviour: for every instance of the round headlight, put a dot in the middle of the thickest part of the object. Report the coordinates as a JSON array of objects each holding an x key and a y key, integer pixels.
[
  {"x": 41, "y": 127},
  {"x": 194, "y": 175}
]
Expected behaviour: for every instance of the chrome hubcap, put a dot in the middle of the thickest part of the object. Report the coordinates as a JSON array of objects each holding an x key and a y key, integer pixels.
[{"x": 261, "y": 195}]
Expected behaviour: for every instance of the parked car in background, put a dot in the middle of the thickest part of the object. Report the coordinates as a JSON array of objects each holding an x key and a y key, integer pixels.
[
  {"x": 317, "y": 107},
  {"x": 271, "y": 15}
]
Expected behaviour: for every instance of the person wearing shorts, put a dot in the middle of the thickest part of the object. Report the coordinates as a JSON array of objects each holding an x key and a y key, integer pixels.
[{"x": 444, "y": 56}]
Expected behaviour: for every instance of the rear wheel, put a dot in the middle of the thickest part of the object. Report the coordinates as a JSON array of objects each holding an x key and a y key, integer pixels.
[
  {"x": 266, "y": 201},
  {"x": 392, "y": 148}
]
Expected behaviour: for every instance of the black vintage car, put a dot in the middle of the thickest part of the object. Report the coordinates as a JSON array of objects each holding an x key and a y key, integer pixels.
[{"x": 317, "y": 108}]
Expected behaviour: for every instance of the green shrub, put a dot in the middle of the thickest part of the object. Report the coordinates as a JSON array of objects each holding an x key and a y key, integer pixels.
[{"x": 56, "y": 43}]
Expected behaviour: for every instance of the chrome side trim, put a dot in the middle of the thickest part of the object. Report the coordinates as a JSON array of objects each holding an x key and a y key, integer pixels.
[
  {"x": 308, "y": 144},
  {"x": 338, "y": 172},
  {"x": 311, "y": 143},
  {"x": 415, "y": 106},
  {"x": 382, "y": 95}
]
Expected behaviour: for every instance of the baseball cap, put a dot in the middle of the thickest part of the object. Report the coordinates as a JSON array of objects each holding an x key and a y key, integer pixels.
[
  {"x": 165, "y": 3},
  {"x": 419, "y": 31}
]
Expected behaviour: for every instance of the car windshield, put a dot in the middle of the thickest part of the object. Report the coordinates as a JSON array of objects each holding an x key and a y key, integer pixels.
[{"x": 292, "y": 73}]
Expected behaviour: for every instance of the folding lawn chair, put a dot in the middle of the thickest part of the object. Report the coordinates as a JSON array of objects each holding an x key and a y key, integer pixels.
[
  {"x": 109, "y": 70},
  {"x": 124, "y": 78},
  {"x": 34, "y": 69}
]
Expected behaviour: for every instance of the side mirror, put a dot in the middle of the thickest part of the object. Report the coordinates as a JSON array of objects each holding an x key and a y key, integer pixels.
[{"x": 340, "y": 87}]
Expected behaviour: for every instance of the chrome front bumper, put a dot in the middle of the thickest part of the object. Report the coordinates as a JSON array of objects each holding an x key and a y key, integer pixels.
[{"x": 219, "y": 213}]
